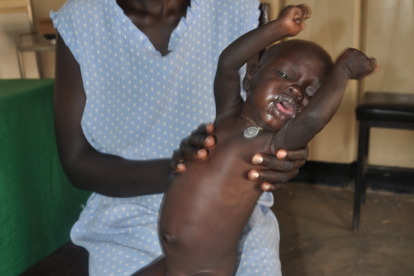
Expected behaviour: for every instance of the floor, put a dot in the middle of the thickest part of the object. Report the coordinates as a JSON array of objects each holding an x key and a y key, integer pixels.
[{"x": 316, "y": 237}]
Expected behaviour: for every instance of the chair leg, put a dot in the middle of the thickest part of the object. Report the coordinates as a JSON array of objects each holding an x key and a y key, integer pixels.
[
  {"x": 362, "y": 144},
  {"x": 364, "y": 162},
  {"x": 21, "y": 65},
  {"x": 20, "y": 58},
  {"x": 38, "y": 64}
]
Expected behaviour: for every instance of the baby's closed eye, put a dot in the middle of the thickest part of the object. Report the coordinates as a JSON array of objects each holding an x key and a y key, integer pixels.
[
  {"x": 310, "y": 91},
  {"x": 282, "y": 74}
]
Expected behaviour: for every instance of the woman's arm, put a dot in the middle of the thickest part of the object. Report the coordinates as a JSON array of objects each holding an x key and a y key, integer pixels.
[
  {"x": 114, "y": 176},
  {"x": 85, "y": 167}
]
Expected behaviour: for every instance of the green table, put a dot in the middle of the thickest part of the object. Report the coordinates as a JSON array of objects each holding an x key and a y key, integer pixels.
[{"x": 38, "y": 205}]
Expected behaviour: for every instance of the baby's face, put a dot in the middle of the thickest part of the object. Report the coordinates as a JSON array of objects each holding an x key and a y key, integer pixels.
[{"x": 283, "y": 85}]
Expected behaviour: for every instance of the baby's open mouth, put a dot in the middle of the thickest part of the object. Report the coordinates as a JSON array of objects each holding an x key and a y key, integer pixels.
[{"x": 285, "y": 106}]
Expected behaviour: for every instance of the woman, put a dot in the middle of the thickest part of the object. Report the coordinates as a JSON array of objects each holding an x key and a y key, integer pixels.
[{"x": 133, "y": 78}]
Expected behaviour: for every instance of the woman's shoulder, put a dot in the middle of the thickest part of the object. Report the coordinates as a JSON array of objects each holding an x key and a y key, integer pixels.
[
  {"x": 235, "y": 5},
  {"x": 80, "y": 7},
  {"x": 79, "y": 14},
  {"x": 241, "y": 13}
]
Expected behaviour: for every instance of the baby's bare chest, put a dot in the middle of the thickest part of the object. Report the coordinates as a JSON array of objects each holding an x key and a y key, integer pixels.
[
  {"x": 224, "y": 173},
  {"x": 234, "y": 152}
]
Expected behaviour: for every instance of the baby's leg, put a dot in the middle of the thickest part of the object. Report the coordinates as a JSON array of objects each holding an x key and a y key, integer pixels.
[
  {"x": 191, "y": 263},
  {"x": 185, "y": 267},
  {"x": 155, "y": 268}
]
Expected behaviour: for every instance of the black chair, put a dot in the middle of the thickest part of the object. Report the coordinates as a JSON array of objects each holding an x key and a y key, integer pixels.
[{"x": 382, "y": 110}]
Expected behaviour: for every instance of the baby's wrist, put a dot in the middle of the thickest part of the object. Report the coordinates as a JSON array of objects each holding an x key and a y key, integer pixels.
[
  {"x": 280, "y": 29},
  {"x": 345, "y": 67}
]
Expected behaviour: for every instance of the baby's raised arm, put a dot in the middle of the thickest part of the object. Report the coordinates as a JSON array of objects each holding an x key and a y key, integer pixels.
[
  {"x": 352, "y": 64},
  {"x": 227, "y": 80}
]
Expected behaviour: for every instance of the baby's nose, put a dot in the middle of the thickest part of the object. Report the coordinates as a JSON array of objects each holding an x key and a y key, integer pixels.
[{"x": 296, "y": 92}]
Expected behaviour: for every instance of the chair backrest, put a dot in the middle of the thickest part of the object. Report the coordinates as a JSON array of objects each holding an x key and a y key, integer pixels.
[{"x": 18, "y": 6}]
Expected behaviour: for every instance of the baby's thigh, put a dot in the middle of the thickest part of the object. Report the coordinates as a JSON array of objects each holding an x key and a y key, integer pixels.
[
  {"x": 199, "y": 252},
  {"x": 196, "y": 267}
]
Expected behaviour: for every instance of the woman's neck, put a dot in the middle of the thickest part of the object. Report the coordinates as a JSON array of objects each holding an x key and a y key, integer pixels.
[
  {"x": 155, "y": 8},
  {"x": 155, "y": 18}
]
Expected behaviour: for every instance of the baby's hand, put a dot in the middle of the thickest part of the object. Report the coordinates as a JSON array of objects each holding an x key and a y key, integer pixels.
[
  {"x": 292, "y": 18},
  {"x": 357, "y": 64}
]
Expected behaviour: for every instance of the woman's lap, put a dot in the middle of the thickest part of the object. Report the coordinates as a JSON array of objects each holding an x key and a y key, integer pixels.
[
  {"x": 121, "y": 236},
  {"x": 260, "y": 254}
]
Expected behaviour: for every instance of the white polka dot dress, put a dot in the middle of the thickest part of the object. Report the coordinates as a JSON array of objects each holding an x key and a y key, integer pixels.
[{"x": 139, "y": 105}]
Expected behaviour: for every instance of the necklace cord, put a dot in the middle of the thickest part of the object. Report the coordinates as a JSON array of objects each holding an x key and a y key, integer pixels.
[{"x": 251, "y": 121}]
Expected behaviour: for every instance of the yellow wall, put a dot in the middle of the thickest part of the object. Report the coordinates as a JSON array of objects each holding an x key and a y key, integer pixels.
[
  {"x": 335, "y": 26},
  {"x": 390, "y": 38},
  {"x": 388, "y": 35},
  {"x": 10, "y": 24},
  {"x": 41, "y": 9}
]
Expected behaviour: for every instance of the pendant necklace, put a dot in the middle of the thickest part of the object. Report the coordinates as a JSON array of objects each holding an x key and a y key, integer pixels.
[{"x": 251, "y": 132}]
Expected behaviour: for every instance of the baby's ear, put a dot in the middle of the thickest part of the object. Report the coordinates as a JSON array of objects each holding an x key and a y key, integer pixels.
[{"x": 249, "y": 74}]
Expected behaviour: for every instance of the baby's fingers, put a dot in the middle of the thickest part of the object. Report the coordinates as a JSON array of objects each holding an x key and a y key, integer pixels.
[
  {"x": 369, "y": 68},
  {"x": 303, "y": 12},
  {"x": 374, "y": 65}
]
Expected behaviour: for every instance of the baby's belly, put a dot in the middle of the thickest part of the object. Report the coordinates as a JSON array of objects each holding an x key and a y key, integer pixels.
[{"x": 205, "y": 211}]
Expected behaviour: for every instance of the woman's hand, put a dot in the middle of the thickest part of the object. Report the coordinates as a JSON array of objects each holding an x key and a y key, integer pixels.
[
  {"x": 275, "y": 169},
  {"x": 194, "y": 146},
  {"x": 279, "y": 169}
]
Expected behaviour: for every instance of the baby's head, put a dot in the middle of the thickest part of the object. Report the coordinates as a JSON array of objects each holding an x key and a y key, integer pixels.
[{"x": 287, "y": 76}]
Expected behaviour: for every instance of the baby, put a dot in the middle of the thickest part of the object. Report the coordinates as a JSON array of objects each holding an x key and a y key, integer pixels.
[{"x": 291, "y": 95}]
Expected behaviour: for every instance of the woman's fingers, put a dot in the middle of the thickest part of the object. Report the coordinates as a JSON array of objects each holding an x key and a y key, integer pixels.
[
  {"x": 277, "y": 169},
  {"x": 282, "y": 154},
  {"x": 177, "y": 167},
  {"x": 271, "y": 180},
  {"x": 271, "y": 176},
  {"x": 299, "y": 154},
  {"x": 278, "y": 165},
  {"x": 195, "y": 146},
  {"x": 201, "y": 137},
  {"x": 270, "y": 187}
]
